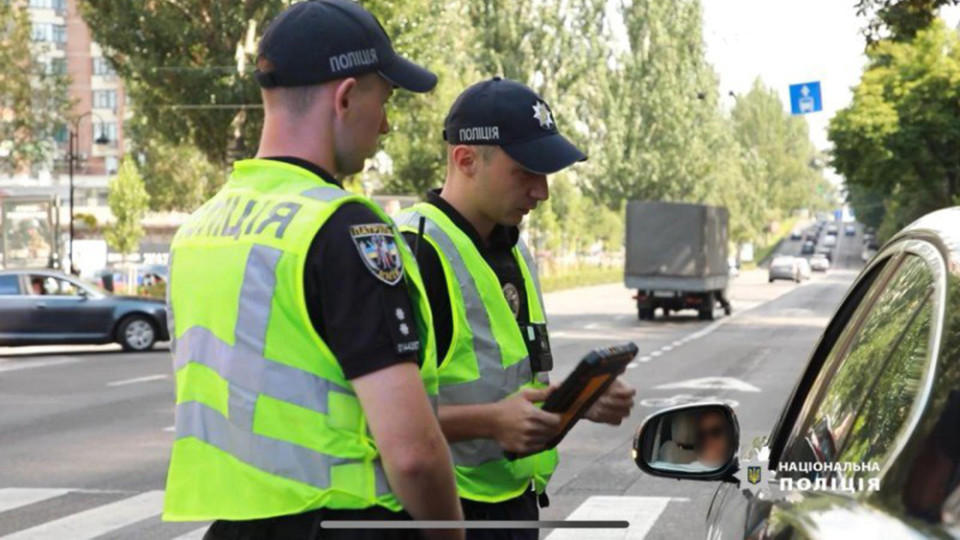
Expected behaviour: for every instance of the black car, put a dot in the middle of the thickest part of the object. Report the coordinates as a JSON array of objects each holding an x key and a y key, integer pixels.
[
  {"x": 40, "y": 307},
  {"x": 868, "y": 444}
]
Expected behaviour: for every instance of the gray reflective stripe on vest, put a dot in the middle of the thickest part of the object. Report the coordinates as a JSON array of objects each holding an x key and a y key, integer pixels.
[
  {"x": 325, "y": 193},
  {"x": 496, "y": 381},
  {"x": 171, "y": 330},
  {"x": 249, "y": 375},
  {"x": 194, "y": 419},
  {"x": 532, "y": 267}
]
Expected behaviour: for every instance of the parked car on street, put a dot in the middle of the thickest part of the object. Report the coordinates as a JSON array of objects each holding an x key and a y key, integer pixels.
[
  {"x": 868, "y": 443},
  {"x": 784, "y": 267},
  {"x": 39, "y": 307},
  {"x": 819, "y": 263},
  {"x": 808, "y": 248}
]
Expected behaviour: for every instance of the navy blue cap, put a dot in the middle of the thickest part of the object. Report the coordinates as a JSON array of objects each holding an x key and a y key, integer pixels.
[
  {"x": 505, "y": 113},
  {"x": 323, "y": 40}
]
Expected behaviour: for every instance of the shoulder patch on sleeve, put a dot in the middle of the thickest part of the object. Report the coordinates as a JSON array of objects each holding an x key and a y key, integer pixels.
[{"x": 378, "y": 251}]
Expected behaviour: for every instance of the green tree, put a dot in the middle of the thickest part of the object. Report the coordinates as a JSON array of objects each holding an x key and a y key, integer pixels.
[
  {"x": 34, "y": 103},
  {"x": 899, "y": 137},
  {"x": 785, "y": 174},
  {"x": 177, "y": 177},
  {"x": 654, "y": 109},
  {"x": 898, "y": 19},
  {"x": 178, "y": 60},
  {"x": 128, "y": 201},
  {"x": 433, "y": 34}
]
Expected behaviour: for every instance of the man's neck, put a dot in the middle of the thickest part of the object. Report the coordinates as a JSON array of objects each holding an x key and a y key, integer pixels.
[
  {"x": 283, "y": 138},
  {"x": 461, "y": 202}
]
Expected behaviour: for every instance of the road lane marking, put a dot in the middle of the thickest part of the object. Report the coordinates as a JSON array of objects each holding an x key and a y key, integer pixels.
[
  {"x": 136, "y": 380},
  {"x": 170, "y": 428},
  {"x": 193, "y": 535},
  {"x": 644, "y": 359},
  {"x": 28, "y": 364},
  {"x": 96, "y": 521},
  {"x": 11, "y": 498},
  {"x": 592, "y": 326},
  {"x": 656, "y": 353},
  {"x": 711, "y": 383},
  {"x": 640, "y": 512}
]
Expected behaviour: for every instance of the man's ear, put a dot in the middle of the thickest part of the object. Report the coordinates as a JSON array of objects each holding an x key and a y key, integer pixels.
[
  {"x": 465, "y": 159},
  {"x": 345, "y": 92}
]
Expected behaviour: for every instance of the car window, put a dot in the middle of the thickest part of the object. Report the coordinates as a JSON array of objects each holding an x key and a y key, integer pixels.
[
  {"x": 872, "y": 375},
  {"x": 9, "y": 285},
  {"x": 51, "y": 286}
]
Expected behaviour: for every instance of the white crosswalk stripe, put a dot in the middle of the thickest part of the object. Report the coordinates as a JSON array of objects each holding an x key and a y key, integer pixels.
[
  {"x": 640, "y": 512},
  {"x": 11, "y": 498},
  {"x": 96, "y": 521}
]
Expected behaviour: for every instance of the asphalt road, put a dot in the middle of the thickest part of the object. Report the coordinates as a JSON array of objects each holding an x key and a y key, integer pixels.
[{"x": 85, "y": 432}]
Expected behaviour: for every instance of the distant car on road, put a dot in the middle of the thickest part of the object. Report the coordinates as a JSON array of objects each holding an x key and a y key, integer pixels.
[
  {"x": 809, "y": 247},
  {"x": 850, "y": 230},
  {"x": 784, "y": 267},
  {"x": 832, "y": 230},
  {"x": 867, "y": 443},
  {"x": 830, "y": 241},
  {"x": 819, "y": 263},
  {"x": 41, "y": 307},
  {"x": 796, "y": 234}
]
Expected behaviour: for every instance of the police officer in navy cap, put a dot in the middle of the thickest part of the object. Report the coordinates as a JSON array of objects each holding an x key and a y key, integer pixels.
[
  {"x": 492, "y": 343},
  {"x": 306, "y": 366}
]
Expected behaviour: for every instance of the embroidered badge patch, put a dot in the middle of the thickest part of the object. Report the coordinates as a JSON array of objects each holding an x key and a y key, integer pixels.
[{"x": 378, "y": 249}]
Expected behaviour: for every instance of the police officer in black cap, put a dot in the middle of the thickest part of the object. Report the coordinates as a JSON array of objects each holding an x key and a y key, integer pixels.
[
  {"x": 350, "y": 332},
  {"x": 492, "y": 344}
]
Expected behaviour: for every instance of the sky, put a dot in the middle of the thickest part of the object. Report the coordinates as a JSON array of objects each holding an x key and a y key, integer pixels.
[{"x": 788, "y": 42}]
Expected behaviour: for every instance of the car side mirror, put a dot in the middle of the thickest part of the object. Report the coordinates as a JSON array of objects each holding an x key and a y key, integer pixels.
[
  {"x": 694, "y": 442},
  {"x": 83, "y": 293}
]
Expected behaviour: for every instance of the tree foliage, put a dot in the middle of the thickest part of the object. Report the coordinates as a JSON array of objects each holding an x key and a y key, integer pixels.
[
  {"x": 178, "y": 60},
  {"x": 128, "y": 201},
  {"x": 628, "y": 81},
  {"x": 899, "y": 20},
  {"x": 34, "y": 103},
  {"x": 896, "y": 144}
]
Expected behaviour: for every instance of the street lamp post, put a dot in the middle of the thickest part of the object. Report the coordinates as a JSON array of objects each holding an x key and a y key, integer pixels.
[{"x": 73, "y": 143}]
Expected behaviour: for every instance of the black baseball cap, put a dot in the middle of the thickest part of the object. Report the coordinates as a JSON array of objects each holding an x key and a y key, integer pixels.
[
  {"x": 505, "y": 113},
  {"x": 323, "y": 40}
]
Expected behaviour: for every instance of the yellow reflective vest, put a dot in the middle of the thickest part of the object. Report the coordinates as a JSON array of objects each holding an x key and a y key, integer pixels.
[
  {"x": 487, "y": 360},
  {"x": 266, "y": 423}
]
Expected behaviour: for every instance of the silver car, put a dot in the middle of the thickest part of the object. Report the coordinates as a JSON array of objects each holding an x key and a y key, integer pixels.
[{"x": 785, "y": 268}]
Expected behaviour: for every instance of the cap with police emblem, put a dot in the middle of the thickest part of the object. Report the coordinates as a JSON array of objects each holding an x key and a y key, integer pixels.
[
  {"x": 323, "y": 40},
  {"x": 505, "y": 113}
]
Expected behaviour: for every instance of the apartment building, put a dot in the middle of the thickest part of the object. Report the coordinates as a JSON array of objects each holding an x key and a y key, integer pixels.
[{"x": 65, "y": 39}]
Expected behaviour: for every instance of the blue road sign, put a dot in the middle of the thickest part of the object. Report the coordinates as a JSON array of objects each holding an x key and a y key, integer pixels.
[{"x": 805, "y": 98}]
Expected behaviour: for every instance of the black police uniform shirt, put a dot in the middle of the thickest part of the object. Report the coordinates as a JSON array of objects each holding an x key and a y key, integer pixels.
[
  {"x": 497, "y": 252},
  {"x": 356, "y": 313}
]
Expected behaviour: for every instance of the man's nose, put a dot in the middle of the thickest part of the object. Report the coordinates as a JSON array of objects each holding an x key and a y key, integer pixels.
[
  {"x": 384, "y": 125},
  {"x": 539, "y": 189}
]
